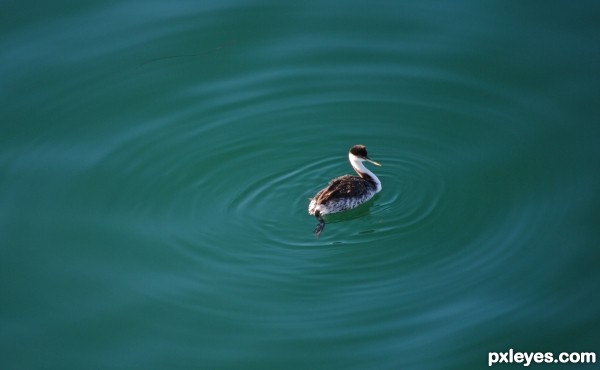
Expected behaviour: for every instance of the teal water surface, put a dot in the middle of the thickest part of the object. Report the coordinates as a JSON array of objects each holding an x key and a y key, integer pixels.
[{"x": 157, "y": 159}]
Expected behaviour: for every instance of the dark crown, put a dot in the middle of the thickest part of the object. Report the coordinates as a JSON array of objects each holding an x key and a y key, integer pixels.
[{"x": 359, "y": 151}]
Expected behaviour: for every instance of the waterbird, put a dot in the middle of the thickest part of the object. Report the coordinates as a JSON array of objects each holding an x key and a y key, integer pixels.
[{"x": 346, "y": 192}]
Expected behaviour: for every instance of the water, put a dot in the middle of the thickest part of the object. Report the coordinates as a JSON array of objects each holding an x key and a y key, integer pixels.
[{"x": 157, "y": 159}]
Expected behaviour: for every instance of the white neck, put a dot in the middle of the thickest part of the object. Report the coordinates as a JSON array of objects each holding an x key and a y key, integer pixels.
[{"x": 359, "y": 167}]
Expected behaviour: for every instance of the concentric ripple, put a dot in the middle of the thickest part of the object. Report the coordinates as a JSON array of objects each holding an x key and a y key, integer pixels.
[{"x": 162, "y": 158}]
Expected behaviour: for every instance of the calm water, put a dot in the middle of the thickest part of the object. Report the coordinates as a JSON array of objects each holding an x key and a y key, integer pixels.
[{"x": 157, "y": 158}]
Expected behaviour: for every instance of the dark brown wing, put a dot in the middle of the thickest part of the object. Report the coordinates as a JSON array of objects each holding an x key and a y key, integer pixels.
[{"x": 342, "y": 187}]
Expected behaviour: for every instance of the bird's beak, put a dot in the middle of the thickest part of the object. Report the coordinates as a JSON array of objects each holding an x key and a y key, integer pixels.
[{"x": 375, "y": 163}]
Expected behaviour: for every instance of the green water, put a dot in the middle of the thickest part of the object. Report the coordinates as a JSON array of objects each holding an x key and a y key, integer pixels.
[{"x": 156, "y": 160}]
